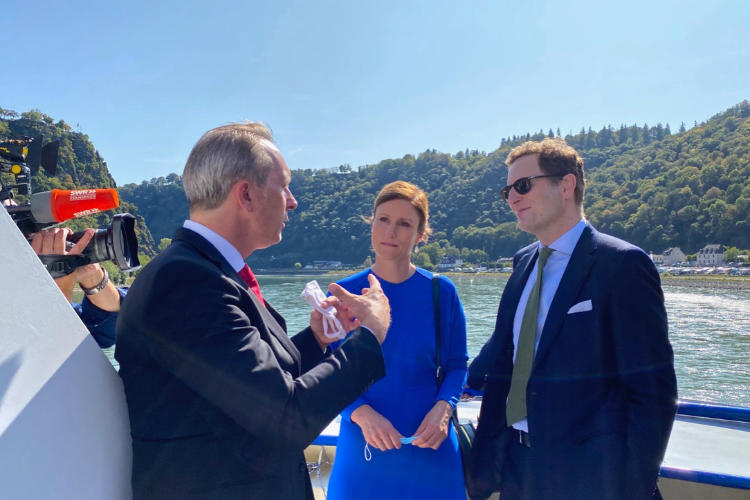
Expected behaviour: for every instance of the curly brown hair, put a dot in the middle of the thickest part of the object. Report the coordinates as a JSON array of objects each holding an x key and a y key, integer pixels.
[{"x": 556, "y": 157}]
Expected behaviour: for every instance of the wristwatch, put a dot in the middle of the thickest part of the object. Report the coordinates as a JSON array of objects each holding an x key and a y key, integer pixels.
[{"x": 98, "y": 288}]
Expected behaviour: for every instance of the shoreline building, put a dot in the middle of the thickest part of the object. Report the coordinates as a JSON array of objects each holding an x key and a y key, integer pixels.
[
  {"x": 711, "y": 256},
  {"x": 449, "y": 262},
  {"x": 670, "y": 257}
]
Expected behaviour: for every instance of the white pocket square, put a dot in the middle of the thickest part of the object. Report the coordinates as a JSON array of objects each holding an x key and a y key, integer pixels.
[{"x": 581, "y": 307}]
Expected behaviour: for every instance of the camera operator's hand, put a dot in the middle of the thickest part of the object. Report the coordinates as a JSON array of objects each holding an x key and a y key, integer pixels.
[{"x": 53, "y": 241}]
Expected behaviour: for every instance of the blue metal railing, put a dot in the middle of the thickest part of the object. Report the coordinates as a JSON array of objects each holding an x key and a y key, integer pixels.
[
  {"x": 686, "y": 408},
  {"x": 708, "y": 410}
]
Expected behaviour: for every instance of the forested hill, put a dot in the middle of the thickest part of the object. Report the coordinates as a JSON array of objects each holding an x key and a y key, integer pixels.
[
  {"x": 687, "y": 190},
  {"x": 79, "y": 165},
  {"x": 646, "y": 184}
]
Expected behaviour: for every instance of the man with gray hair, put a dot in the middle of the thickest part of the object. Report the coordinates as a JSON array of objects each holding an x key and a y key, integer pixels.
[{"x": 221, "y": 401}]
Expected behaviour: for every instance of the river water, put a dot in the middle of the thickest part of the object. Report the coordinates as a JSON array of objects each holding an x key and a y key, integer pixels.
[{"x": 709, "y": 329}]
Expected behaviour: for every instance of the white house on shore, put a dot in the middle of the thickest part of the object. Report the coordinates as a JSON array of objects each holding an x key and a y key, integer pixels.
[
  {"x": 326, "y": 264},
  {"x": 711, "y": 255},
  {"x": 450, "y": 262},
  {"x": 670, "y": 257}
]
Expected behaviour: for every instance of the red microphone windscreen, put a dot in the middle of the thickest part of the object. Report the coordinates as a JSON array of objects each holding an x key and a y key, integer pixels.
[{"x": 59, "y": 205}]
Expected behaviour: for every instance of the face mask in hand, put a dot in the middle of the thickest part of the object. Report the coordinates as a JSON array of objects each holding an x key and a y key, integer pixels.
[
  {"x": 313, "y": 295},
  {"x": 368, "y": 453}
]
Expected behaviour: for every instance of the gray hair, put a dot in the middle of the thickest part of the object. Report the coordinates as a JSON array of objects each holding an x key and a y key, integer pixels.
[{"x": 223, "y": 156}]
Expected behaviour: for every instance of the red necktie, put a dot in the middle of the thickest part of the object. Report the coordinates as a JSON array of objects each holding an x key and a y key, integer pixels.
[{"x": 248, "y": 277}]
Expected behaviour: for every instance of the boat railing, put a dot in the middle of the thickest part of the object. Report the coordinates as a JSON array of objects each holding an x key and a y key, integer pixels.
[
  {"x": 706, "y": 418},
  {"x": 710, "y": 410},
  {"x": 717, "y": 416}
]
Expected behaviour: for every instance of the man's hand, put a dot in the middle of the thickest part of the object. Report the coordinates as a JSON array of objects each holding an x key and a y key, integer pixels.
[
  {"x": 434, "y": 427},
  {"x": 316, "y": 324},
  {"x": 53, "y": 241},
  {"x": 377, "y": 430},
  {"x": 371, "y": 309}
]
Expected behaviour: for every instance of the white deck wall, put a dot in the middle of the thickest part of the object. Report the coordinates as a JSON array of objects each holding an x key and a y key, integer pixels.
[{"x": 64, "y": 430}]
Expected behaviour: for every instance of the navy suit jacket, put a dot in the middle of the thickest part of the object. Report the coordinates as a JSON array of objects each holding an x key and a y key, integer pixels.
[
  {"x": 602, "y": 393},
  {"x": 221, "y": 401}
]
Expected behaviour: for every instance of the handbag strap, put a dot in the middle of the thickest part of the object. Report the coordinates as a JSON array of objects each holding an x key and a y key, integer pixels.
[{"x": 439, "y": 374}]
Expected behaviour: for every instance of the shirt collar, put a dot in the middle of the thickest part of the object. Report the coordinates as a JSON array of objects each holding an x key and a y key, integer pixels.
[
  {"x": 566, "y": 243},
  {"x": 226, "y": 249}
]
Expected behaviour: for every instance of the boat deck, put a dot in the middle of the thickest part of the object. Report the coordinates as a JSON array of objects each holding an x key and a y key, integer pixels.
[{"x": 707, "y": 457}]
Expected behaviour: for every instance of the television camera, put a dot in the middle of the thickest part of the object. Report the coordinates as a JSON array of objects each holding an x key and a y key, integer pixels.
[{"x": 117, "y": 242}]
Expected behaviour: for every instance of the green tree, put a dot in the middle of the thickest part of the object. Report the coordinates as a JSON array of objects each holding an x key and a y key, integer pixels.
[
  {"x": 731, "y": 254},
  {"x": 421, "y": 259},
  {"x": 163, "y": 244},
  {"x": 144, "y": 259},
  {"x": 685, "y": 190},
  {"x": 434, "y": 251}
]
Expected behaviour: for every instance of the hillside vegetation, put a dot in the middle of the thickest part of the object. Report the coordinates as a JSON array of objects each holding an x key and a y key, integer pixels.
[
  {"x": 79, "y": 165},
  {"x": 646, "y": 184}
]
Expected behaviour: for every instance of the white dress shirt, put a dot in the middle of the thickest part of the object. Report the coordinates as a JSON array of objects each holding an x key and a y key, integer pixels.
[
  {"x": 226, "y": 249},
  {"x": 553, "y": 273}
]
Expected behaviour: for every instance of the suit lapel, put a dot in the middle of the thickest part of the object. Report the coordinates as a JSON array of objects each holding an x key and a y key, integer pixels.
[
  {"x": 277, "y": 327},
  {"x": 272, "y": 320},
  {"x": 570, "y": 285},
  {"x": 515, "y": 285},
  {"x": 278, "y": 318},
  {"x": 207, "y": 250}
]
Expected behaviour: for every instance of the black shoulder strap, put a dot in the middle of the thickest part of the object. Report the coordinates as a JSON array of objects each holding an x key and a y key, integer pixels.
[
  {"x": 440, "y": 374},
  {"x": 436, "y": 307}
]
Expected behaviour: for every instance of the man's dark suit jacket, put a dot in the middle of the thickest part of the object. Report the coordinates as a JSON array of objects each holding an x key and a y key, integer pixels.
[
  {"x": 602, "y": 393},
  {"x": 221, "y": 401}
]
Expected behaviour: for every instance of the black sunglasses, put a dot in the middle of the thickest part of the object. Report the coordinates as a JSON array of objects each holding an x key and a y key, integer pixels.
[{"x": 523, "y": 185}]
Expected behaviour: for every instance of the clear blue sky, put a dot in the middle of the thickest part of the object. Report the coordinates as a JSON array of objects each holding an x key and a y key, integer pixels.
[{"x": 360, "y": 81}]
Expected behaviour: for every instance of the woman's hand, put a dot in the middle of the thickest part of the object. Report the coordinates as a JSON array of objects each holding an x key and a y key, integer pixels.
[
  {"x": 377, "y": 430},
  {"x": 434, "y": 427}
]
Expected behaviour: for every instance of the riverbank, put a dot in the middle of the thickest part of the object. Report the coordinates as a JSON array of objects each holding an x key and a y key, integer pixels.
[
  {"x": 716, "y": 282},
  {"x": 712, "y": 281}
]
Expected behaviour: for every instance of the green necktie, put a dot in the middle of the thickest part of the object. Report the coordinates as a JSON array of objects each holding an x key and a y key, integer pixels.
[{"x": 516, "y": 407}]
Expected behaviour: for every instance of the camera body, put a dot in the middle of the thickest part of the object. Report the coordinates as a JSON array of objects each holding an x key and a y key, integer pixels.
[{"x": 116, "y": 242}]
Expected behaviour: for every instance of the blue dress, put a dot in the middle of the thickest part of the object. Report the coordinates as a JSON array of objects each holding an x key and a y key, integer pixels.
[{"x": 406, "y": 394}]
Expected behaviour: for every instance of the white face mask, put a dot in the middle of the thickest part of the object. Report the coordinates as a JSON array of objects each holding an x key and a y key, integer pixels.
[
  {"x": 368, "y": 453},
  {"x": 313, "y": 295}
]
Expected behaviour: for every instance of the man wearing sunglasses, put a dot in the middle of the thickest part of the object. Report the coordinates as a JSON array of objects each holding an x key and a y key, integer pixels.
[{"x": 580, "y": 393}]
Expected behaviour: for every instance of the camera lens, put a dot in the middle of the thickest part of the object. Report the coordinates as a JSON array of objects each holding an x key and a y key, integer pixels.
[{"x": 117, "y": 243}]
